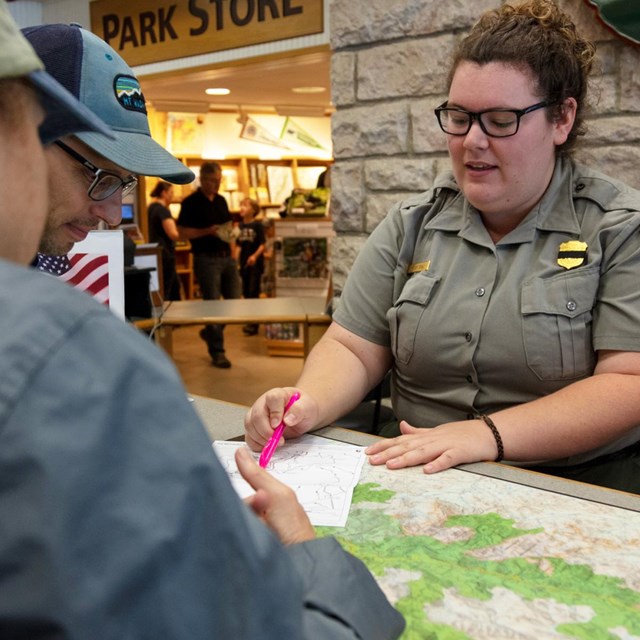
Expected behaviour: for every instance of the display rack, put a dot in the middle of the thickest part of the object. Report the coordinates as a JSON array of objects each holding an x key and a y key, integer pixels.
[
  {"x": 303, "y": 268},
  {"x": 184, "y": 269}
]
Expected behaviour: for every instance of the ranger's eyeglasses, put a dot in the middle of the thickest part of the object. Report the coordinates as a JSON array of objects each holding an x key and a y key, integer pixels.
[{"x": 497, "y": 123}]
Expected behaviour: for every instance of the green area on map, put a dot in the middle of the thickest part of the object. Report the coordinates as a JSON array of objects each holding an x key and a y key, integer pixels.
[{"x": 433, "y": 566}]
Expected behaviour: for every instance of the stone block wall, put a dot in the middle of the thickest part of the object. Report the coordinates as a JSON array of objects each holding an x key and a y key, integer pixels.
[{"x": 389, "y": 65}]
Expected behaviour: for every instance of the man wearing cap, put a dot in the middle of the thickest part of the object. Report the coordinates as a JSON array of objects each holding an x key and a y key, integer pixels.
[
  {"x": 117, "y": 520},
  {"x": 22, "y": 73},
  {"x": 95, "y": 74}
]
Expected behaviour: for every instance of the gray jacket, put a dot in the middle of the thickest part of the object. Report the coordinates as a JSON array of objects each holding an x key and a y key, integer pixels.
[{"x": 117, "y": 521}]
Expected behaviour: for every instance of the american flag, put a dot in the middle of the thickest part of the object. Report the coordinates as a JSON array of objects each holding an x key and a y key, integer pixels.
[{"x": 86, "y": 271}]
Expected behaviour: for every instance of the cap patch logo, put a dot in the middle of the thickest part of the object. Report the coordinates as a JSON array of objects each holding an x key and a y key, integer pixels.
[
  {"x": 572, "y": 254},
  {"x": 129, "y": 93}
]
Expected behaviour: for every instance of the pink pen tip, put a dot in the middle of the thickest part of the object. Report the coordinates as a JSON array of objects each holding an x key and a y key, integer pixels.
[{"x": 272, "y": 443}]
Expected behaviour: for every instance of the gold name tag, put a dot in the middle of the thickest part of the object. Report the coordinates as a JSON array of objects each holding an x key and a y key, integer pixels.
[{"x": 419, "y": 266}]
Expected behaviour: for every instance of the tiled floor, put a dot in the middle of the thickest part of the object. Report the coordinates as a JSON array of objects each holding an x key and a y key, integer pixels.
[{"x": 252, "y": 370}]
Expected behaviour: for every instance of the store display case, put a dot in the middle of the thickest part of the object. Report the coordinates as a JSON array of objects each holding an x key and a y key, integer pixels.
[{"x": 302, "y": 268}]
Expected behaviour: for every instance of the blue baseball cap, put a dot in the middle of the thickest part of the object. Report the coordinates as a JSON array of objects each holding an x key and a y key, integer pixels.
[
  {"x": 64, "y": 113},
  {"x": 95, "y": 74}
]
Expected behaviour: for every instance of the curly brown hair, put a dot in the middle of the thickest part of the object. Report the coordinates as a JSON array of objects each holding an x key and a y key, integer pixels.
[{"x": 535, "y": 35}]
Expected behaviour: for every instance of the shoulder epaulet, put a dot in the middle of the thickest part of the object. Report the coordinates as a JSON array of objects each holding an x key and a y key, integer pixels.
[{"x": 608, "y": 193}]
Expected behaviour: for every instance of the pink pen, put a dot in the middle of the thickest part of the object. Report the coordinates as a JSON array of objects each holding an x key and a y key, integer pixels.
[{"x": 271, "y": 445}]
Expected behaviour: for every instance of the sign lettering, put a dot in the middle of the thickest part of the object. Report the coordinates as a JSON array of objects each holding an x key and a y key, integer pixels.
[{"x": 155, "y": 31}]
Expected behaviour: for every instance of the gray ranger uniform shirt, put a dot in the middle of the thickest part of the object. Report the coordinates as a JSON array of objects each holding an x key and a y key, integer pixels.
[
  {"x": 476, "y": 327},
  {"x": 117, "y": 519}
]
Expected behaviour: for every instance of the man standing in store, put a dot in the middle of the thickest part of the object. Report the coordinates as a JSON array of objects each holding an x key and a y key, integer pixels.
[{"x": 204, "y": 220}]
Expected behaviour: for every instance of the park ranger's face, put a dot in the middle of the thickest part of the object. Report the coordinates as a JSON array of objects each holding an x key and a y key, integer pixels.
[{"x": 504, "y": 178}]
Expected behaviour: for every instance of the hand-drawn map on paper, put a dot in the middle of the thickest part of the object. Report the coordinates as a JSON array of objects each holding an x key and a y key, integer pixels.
[
  {"x": 321, "y": 472},
  {"x": 463, "y": 556}
]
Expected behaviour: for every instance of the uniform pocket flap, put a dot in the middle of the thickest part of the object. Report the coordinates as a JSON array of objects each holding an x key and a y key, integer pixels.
[
  {"x": 418, "y": 289},
  {"x": 569, "y": 294}
]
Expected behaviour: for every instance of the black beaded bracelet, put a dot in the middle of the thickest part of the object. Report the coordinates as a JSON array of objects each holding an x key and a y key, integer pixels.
[{"x": 496, "y": 434}]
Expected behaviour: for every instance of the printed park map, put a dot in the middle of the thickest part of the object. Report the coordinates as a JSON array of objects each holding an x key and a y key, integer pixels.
[{"x": 463, "y": 556}]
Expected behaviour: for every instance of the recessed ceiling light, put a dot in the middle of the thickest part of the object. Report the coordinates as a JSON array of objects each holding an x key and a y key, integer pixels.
[
  {"x": 217, "y": 91},
  {"x": 308, "y": 89}
]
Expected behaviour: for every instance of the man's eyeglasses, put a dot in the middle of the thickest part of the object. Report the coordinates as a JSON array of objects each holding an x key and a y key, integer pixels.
[
  {"x": 497, "y": 123},
  {"x": 104, "y": 183}
]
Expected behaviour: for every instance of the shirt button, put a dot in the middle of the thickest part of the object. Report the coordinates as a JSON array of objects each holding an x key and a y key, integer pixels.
[
  {"x": 571, "y": 305},
  {"x": 468, "y": 336},
  {"x": 480, "y": 292},
  {"x": 469, "y": 379}
]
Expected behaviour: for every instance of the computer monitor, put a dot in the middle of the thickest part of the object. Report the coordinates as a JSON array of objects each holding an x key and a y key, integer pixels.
[{"x": 128, "y": 213}]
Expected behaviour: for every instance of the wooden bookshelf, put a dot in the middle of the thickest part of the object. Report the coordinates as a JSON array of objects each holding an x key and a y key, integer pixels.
[{"x": 184, "y": 269}]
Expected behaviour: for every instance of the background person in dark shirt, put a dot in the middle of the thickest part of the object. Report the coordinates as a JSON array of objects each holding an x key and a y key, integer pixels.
[
  {"x": 201, "y": 215},
  {"x": 164, "y": 231}
]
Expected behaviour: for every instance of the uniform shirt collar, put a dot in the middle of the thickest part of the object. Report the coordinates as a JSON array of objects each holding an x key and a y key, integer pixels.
[{"x": 555, "y": 212}]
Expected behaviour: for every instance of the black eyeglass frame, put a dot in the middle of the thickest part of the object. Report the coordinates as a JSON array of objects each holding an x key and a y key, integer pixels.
[
  {"x": 476, "y": 115},
  {"x": 126, "y": 184}
]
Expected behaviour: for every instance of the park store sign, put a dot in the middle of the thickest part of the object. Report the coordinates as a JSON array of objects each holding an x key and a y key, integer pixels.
[
  {"x": 621, "y": 16},
  {"x": 148, "y": 31}
]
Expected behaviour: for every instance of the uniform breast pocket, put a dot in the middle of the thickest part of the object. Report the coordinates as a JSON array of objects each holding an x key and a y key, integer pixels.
[
  {"x": 556, "y": 322},
  {"x": 405, "y": 315}
]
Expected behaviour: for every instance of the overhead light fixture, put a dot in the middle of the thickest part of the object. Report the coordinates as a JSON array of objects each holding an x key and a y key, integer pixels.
[
  {"x": 308, "y": 89},
  {"x": 217, "y": 91}
]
